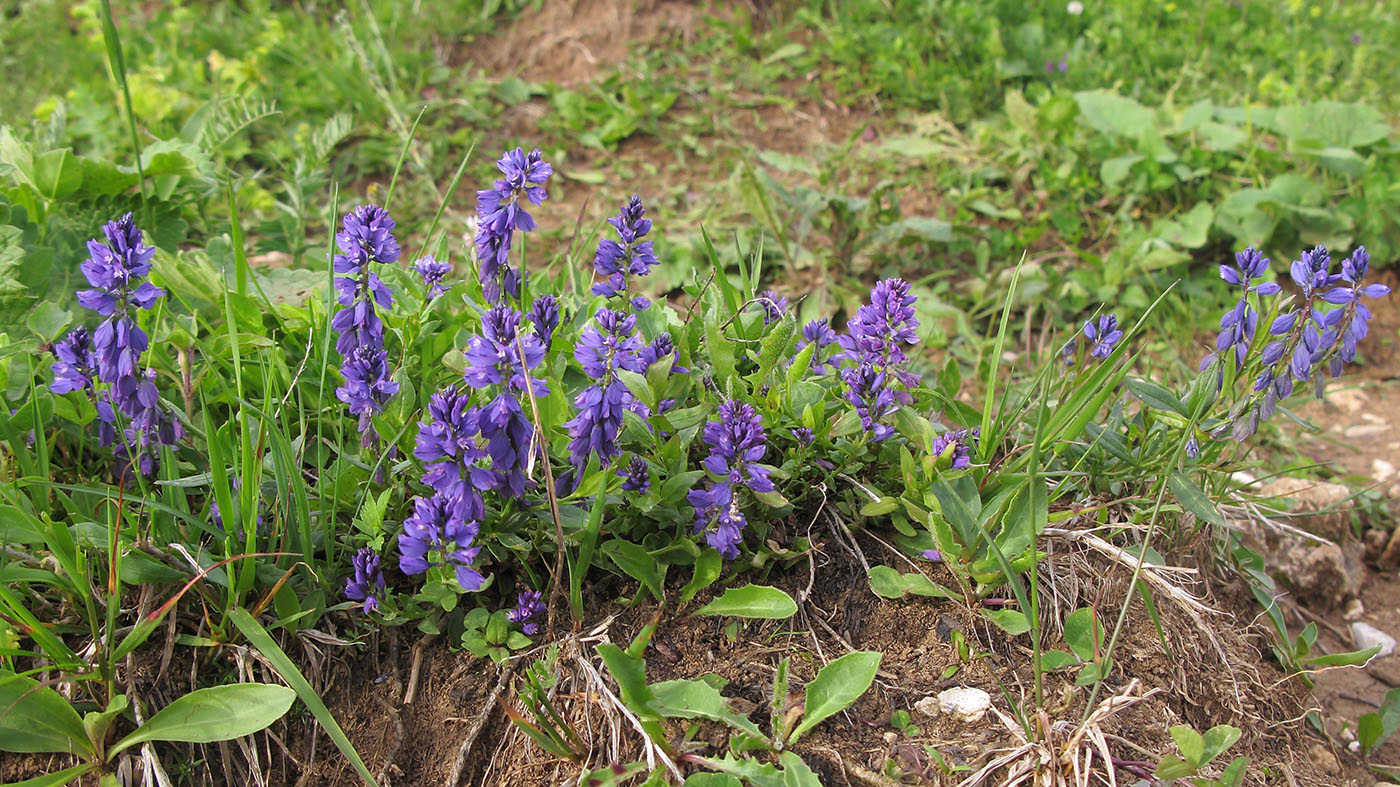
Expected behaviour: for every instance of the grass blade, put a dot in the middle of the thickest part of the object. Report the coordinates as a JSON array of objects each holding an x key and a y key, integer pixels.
[{"x": 260, "y": 639}]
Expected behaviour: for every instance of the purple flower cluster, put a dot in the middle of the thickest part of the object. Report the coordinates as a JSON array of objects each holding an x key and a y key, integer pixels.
[
  {"x": 877, "y": 381},
  {"x": 501, "y": 358},
  {"x": 433, "y": 271},
  {"x": 366, "y": 581},
  {"x": 366, "y": 237},
  {"x": 774, "y": 306},
  {"x": 437, "y": 535},
  {"x": 500, "y": 212},
  {"x": 608, "y": 344},
  {"x": 544, "y": 316},
  {"x": 736, "y": 444},
  {"x": 817, "y": 332},
  {"x": 1104, "y": 336},
  {"x": 1305, "y": 338},
  {"x": 460, "y": 463},
  {"x": 529, "y": 607},
  {"x": 628, "y": 256},
  {"x": 636, "y": 476},
  {"x": 130, "y": 416},
  {"x": 1239, "y": 324},
  {"x": 955, "y": 447}
]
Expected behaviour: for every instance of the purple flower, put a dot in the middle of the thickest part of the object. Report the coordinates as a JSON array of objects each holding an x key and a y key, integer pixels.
[
  {"x": 1104, "y": 337},
  {"x": 628, "y": 256},
  {"x": 502, "y": 355},
  {"x": 874, "y": 343},
  {"x": 544, "y": 316},
  {"x": 1350, "y": 322},
  {"x": 932, "y": 556},
  {"x": 457, "y": 459},
  {"x": 366, "y": 237},
  {"x": 500, "y": 213},
  {"x": 437, "y": 535},
  {"x": 774, "y": 306},
  {"x": 1193, "y": 447},
  {"x": 75, "y": 368},
  {"x": 529, "y": 607},
  {"x": 608, "y": 344},
  {"x": 955, "y": 447},
  {"x": 663, "y": 347},
  {"x": 804, "y": 436},
  {"x": 874, "y": 400},
  {"x": 636, "y": 476},
  {"x": 366, "y": 581},
  {"x": 115, "y": 269},
  {"x": 433, "y": 272},
  {"x": 1239, "y": 324},
  {"x": 817, "y": 332},
  {"x": 736, "y": 444},
  {"x": 129, "y": 413},
  {"x": 367, "y": 387}
]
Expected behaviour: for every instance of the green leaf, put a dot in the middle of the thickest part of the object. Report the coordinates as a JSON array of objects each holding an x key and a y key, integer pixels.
[
  {"x": 99, "y": 723},
  {"x": 1217, "y": 740},
  {"x": 1352, "y": 658},
  {"x": 48, "y": 320},
  {"x": 630, "y": 673},
  {"x": 57, "y": 174},
  {"x": 1111, "y": 113},
  {"x": 55, "y": 779},
  {"x": 218, "y": 713},
  {"x": 1116, "y": 170},
  {"x": 1057, "y": 659},
  {"x": 260, "y": 639},
  {"x": 1194, "y": 499},
  {"x": 1173, "y": 767},
  {"x": 752, "y": 601},
  {"x": 34, "y": 718},
  {"x": 835, "y": 687},
  {"x": 696, "y": 699},
  {"x": 1084, "y": 634},
  {"x": 888, "y": 583},
  {"x": 1155, "y": 396},
  {"x": 634, "y": 559},
  {"x": 712, "y": 780},
  {"x": 721, "y": 349},
  {"x": 1012, "y": 621},
  {"x": 707, "y": 569},
  {"x": 795, "y": 771},
  {"x": 775, "y": 347},
  {"x": 1192, "y": 745}
]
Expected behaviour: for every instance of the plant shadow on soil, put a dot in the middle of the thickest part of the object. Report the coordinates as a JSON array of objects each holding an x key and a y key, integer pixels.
[{"x": 1197, "y": 685}]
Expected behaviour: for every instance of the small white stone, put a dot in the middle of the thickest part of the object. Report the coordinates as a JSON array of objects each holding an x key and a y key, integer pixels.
[
  {"x": 1242, "y": 478},
  {"x": 1354, "y": 747},
  {"x": 1367, "y": 636},
  {"x": 1361, "y": 431},
  {"x": 965, "y": 704},
  {"x": 1382, "y": 470},
  {"x": 1075, "y": 8},
  {"x": 927, "y": 706}
]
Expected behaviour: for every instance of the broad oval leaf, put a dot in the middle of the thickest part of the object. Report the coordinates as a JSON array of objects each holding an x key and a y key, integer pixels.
[
  {"x": 696, "y": 699},
  {"x": 752, "y": 601},
  {"x": 839, "y": 684},
  {"x": 34, "y": 718},
  {"x": 1012, "y": 621},
  {"x": 218, "y": 713}
]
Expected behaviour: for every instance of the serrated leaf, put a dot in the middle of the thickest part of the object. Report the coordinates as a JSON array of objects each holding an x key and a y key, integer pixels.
[
  {"x": 696, "y": 699},
  {"x": 835, "y": 687},
  {"x": 752, "y": 601}
]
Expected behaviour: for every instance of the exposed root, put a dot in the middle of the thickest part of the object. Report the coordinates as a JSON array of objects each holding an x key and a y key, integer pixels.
[{"x": 488, "y": 708}]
